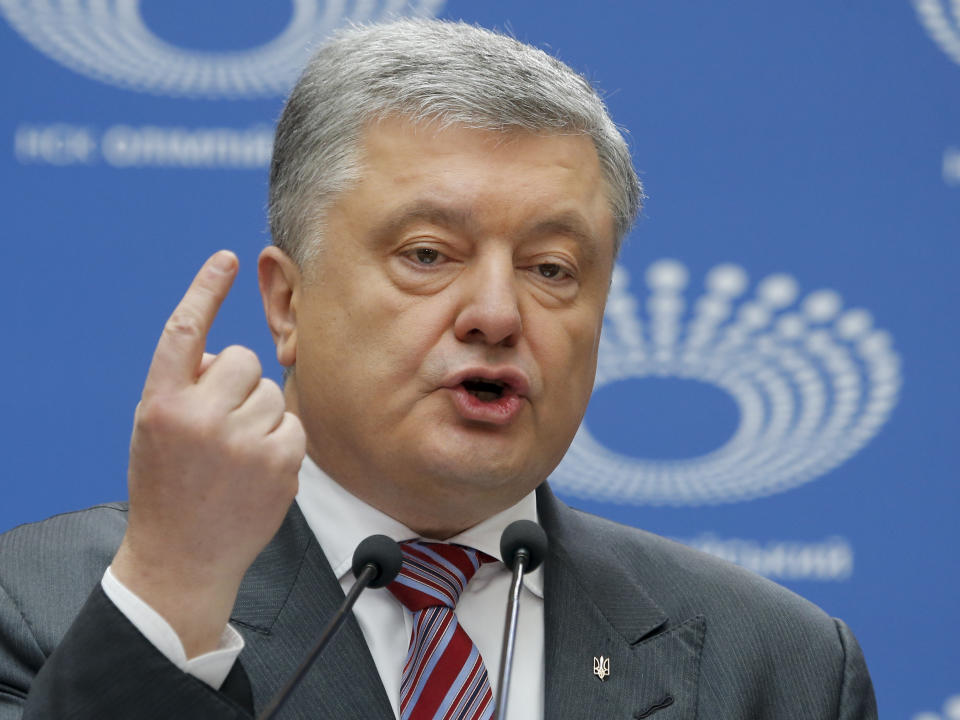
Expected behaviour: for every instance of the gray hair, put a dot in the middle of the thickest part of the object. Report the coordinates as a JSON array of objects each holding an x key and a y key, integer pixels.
[{"x": 427, "y": 71}]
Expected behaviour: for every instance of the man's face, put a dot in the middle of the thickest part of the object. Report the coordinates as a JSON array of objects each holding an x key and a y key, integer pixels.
[{"x": 447, "y": 331}]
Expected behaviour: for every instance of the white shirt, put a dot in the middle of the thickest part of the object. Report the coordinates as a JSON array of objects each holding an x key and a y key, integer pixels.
[{"x": 340, "y": 521}]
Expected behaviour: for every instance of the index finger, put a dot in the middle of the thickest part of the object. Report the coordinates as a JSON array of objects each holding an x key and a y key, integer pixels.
[{"x": 180, "y": 348}]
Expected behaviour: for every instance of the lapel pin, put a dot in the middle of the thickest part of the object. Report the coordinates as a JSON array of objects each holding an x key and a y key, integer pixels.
[{"x": 601, "y": 667}]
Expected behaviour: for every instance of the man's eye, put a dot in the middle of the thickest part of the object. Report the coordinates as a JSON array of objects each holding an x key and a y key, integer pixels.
[
  {"x": 426, "y": 256},
  {"x": 550, "y": 270}
]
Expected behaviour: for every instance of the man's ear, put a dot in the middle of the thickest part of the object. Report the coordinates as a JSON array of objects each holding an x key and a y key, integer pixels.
[{"x": 279, "y": 278}]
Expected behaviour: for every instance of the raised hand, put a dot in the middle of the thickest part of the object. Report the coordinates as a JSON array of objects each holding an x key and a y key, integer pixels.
[{"x": 213, "y": 468}]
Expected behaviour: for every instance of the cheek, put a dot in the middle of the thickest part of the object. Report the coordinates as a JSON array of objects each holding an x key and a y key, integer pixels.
[
  {"x": 556, "y": 362},
  {"x": 570, "y": 361},
  {"x": 380, "y": 339}
]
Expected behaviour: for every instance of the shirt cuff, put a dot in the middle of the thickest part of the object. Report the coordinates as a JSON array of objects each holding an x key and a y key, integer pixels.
[{"x": 212, "y": 667}]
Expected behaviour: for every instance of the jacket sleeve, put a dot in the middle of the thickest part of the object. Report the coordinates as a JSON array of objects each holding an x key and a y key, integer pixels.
[
  {"x": 857, "y": 701},
  {"x": 104, "y": 667}
]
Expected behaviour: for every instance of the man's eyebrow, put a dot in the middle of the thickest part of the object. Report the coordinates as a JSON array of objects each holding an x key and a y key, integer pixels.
[
  {"x": 567, "y": 223},
  {"x": 571, "y": 225},
  {"x": 425, "y": 212}
]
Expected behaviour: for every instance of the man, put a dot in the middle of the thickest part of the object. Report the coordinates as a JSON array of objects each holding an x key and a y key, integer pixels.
[{"x": 446, "y": 206}]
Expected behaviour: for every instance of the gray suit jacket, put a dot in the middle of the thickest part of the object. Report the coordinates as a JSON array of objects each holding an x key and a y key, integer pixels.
[{"x": 686, "y": 635}]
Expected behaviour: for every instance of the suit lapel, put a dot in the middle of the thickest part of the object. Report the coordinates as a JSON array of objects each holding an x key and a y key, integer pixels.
[
  {"x": 284, "y": 603},
  {"x": 595, "y": 607}
]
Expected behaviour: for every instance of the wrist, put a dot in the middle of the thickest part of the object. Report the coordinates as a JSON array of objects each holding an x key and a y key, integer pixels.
[{"x": 195, "y": 601}]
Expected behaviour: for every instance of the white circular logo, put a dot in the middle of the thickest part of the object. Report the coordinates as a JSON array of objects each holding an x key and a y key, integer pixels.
[
  {"x": 813, "y": 383},
  {"x": 943, "y": 25},
  {"x": 109, "y": 41}
]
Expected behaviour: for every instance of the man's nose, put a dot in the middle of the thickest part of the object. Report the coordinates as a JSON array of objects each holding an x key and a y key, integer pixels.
[{"x": 489, "y": 304}]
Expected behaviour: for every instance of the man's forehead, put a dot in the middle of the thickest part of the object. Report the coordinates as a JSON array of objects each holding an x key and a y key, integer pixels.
[
  {"x": 386, "y": 129},
  {"x": 391, "y": 147}
]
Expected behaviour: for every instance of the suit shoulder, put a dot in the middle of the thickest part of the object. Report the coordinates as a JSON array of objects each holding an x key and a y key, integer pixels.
[
  {"x": 77, "y": 532},
  {"x": 686, "y": 581},
  {"x": 48, "y": 568}
]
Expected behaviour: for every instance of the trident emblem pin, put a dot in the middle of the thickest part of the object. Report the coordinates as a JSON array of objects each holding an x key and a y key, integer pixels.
[{"x": 601, "y": 667}]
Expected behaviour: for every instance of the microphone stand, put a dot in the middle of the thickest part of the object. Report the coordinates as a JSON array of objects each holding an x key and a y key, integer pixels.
[
  {"x": 376, "y": 563},
  {"x": 523, "y": 546},
  {"x": 368, "y": 573},
  {"x": 510, "y": 632}
]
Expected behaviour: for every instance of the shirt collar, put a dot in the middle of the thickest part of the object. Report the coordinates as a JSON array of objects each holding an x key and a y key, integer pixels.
[{"x": 340, "y": 520}]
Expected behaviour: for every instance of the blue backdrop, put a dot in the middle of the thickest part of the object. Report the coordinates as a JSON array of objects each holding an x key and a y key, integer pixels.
[{"x": 778, "y": 379}]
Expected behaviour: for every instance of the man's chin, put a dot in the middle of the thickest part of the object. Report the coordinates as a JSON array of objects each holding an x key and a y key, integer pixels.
[
  {"x": 481, "y": 456},
  {"x": 483, "y": 473}
]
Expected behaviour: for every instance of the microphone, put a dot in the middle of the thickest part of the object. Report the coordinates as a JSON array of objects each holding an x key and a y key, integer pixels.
[
  {"x": 378, "y": 556},
  {"x": 376, "y": 562},
  {"x": 523, "y": 547}
]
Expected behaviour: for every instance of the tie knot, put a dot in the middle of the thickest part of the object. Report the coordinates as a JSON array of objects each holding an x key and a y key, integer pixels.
[{"x": 434, "y": 574}]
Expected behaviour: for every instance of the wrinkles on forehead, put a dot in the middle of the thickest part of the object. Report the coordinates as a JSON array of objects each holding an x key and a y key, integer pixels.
[{"x": 389, "y": 195}]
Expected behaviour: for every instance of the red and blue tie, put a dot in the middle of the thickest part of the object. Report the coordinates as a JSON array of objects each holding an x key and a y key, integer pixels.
[{"x": 444, "y": 677}]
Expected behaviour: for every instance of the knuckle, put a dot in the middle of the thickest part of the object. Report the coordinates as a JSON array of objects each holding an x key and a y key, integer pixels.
[
  {"x": 176, "y": 419},
  {"x": 184, "y": 324},
  {"x": 243, "y": 358},
  {"x": 157, "y": 414},
  {"x": 286, "y": 453},
  {"x": 271, "y": 388},
  {"x": 273, "y": 401}
]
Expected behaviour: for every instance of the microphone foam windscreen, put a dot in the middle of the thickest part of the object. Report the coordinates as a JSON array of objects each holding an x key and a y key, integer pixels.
[
  {"x": 523, "y": 534},
  {"x": 381, "y": 552}
]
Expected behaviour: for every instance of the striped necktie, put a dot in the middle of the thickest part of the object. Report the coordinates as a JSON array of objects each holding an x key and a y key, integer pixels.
[{"x": 444, "y": 677}]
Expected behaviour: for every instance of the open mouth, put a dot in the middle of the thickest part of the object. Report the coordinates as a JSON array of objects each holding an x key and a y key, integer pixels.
[
  {"x": 489, "y": 396},
  {"x": 485, "y": 390}
]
